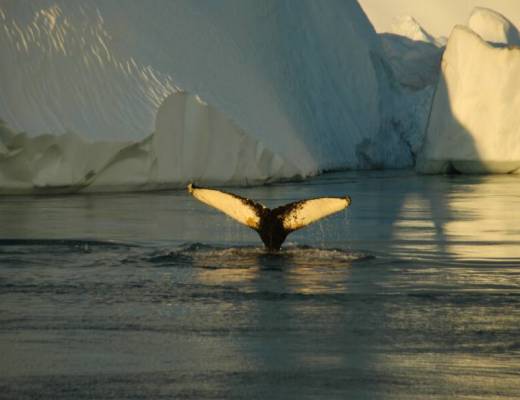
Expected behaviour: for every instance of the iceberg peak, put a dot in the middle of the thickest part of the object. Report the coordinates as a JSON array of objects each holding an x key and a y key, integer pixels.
[{"x": 493, "y": 27}]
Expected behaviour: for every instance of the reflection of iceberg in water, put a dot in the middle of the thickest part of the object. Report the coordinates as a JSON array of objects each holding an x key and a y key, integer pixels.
[{"x": 298, "y": 103}]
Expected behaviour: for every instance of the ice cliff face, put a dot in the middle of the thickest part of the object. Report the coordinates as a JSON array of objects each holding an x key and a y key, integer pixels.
[
  {"x": 97, "y": 97},
  {"x": 301, "y": 82},
  {"x": 474, "y": 125},
  {"x": 413, "y": 58},
  {"x": 413, "y": 53},
  {"x": 60, "y": 73}
]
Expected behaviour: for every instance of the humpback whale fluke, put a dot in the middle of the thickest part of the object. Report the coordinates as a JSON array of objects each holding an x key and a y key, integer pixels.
[{"x": 273, "y": 225}]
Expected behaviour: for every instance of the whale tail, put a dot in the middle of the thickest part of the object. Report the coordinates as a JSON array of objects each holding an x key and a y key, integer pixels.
[{"x": 274, "y": 225}]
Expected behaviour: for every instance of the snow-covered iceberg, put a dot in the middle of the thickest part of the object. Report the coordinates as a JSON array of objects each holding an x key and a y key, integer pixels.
[
  {"x": 474, "y": 126},
  {"x": 86, "y": 82}
]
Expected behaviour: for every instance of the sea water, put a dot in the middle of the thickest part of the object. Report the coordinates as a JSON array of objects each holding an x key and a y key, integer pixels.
[{"x": 413, "y": 292}]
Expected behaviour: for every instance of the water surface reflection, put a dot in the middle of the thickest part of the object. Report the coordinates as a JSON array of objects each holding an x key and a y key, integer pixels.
[{"x": 414, "y": 292}]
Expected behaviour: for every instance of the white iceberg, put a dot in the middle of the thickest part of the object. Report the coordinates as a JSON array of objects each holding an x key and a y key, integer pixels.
[
  {"x": 474, "y": 123},
  {"x": 438, "y": 16},
  {"x": 187, "y": 131},
  {"x": 92, "y": 77}
]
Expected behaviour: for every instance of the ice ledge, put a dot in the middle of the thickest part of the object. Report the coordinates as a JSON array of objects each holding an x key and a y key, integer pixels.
[{"x": 192, "y": 141}]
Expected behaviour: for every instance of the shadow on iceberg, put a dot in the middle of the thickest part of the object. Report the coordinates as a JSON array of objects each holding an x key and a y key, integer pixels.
[
  {"x": 192, "y": 141},
  {"x": 414, "y": 63}
]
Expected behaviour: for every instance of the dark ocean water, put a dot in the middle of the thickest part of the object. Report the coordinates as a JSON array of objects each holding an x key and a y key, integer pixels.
[{"x": 413, "y": 293}]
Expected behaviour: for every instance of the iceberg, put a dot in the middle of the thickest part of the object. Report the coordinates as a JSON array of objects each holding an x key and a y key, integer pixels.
[
  {"x": 96, "y": 96},
  {"x": 408, "y": 27},
  {"x": 413, "y": 53},
  {"x": 474, "y": 125},
  {"x": 493, "y": 27},
  {"x": 185, "y": 126},
  {"x": 413, "y": 59},
  {"x": 439, "y": 16}
]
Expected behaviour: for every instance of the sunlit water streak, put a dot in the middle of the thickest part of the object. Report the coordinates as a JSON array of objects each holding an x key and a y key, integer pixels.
[{"x": 413, "y": 293}]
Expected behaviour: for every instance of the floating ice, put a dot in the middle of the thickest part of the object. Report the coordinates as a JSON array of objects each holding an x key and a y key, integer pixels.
[
  {"x": 298, "y": 99},
  {"x": 474, "y": 123},
  {"x": 185, "y": 127},
  {"x": 91, "y": 96}
]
